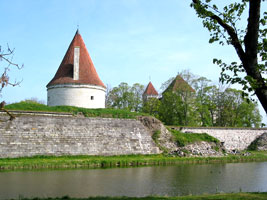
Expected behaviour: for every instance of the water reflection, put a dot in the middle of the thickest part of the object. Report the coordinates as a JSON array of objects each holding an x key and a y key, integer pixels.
[{"x": 163, "y": 180}]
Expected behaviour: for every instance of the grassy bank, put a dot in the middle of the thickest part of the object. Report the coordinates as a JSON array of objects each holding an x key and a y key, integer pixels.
[
  {"x": 61, "y": 162},
  {"x": 183, "y": 139},
  {"x": 105, "y": 113},
  {"x": 231, "y": 196}
]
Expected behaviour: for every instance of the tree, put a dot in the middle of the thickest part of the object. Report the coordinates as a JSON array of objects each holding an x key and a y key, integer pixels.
[
  {"x": 6, "y": 56},
  {"x": 119, "y": 96},
  {"x": 249, "y": 115},
  {"x": 126, "y": 97},
  {"x": 223, "y": 106},
  {"x": 137, "y": 90},
  {"x": 235, "y": 111},
  {"x": 187, "y": 94},
  {"x": 170, "y": 111},
  {"x": 152, "y": 106},
  {"x": 107, "y": 97},
  {"x": 178, "y": 100},
  {"x": 212, "y": 95},
  {"x": 250, "y": 43},
  {"x": 202, "y": 101}
]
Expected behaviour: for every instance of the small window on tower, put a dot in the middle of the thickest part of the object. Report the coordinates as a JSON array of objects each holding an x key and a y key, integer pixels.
[{"x": 92, "y": 97}]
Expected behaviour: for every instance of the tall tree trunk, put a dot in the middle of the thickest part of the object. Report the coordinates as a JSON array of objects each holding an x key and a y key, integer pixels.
[{"x": 250, "y": 61}]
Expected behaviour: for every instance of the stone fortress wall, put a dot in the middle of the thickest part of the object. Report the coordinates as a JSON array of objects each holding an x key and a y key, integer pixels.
[
  {"x": 232, "y": 138},
  {"x": 31, "y": 134}
]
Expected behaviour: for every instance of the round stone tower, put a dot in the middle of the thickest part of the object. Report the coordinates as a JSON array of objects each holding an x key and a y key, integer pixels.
[{"x": 76, "y": 82}]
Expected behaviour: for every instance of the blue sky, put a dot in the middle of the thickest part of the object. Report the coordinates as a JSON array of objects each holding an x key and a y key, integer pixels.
[{"x": 128, "y": 41}]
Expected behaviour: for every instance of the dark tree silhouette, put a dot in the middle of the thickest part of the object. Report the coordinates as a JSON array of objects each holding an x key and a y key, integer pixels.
[{"x": 6, "y": 57}]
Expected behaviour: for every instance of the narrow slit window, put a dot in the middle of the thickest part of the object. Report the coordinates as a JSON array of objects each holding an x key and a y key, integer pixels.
[{"x": 92, "y": 97}]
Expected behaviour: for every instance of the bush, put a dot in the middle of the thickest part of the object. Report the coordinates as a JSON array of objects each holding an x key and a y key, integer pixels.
[
  {"x": 156, "y": 135},
  {"x": 183, "y": 139}
]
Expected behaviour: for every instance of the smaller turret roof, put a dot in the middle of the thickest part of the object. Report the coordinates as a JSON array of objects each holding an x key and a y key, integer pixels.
[
  {"x": 150, "y": 90},
  {"x": 179, "y": 84}
]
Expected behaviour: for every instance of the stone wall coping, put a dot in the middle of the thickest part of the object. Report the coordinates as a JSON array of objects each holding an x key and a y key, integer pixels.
[
  {"x": 217, "y": 128},
  {"x": 42, "y": 113},
  {"x": 56, "y": 114}
]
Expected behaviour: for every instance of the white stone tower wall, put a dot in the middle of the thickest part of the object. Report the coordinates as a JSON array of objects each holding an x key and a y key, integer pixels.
[{"x": 86, "y": 96}]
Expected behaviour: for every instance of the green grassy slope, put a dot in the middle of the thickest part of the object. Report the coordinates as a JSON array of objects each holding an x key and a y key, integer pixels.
[{"x": 107, "y": 112}]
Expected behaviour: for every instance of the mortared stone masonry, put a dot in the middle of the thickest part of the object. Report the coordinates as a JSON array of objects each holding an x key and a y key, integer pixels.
[{"x": 30, "y": 135}]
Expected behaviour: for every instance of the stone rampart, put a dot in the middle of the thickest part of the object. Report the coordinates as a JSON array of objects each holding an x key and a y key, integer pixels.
[
  {"x": 30, "y": 135},
  {"x": 232, "y": 138},
  {"x": 36, "y": 133}
]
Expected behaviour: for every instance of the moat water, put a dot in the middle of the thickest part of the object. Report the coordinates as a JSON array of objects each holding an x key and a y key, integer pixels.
[{"x": 175, "y": 180}]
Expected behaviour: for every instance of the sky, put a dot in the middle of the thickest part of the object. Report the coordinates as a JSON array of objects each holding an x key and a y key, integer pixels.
[{"x": 131, "y": 41}]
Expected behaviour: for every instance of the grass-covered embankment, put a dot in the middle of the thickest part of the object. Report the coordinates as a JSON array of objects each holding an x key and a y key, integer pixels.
[
  {"x": 105, "y": 113},
  {"x": 230, "y": 196},
  {"x": 183, "y": 139},
  {"x": 61, "y": 162}
]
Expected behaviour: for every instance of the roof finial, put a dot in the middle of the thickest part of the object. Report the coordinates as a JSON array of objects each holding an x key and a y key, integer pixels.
[{"x": 78, "y": 28}]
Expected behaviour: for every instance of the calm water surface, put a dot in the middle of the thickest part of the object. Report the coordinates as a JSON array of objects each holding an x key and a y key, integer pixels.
[{"x": 161, "y": 180}]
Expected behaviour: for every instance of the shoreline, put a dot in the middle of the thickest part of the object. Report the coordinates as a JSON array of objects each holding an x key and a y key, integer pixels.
[
  {"x": 223, "y": 196},
  {"x": 92, "y": 162}
]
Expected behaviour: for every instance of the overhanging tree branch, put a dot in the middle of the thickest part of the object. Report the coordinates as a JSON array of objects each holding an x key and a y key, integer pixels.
[
  {"x": 4, "y": 77},
  {"x": 252, "y": 46},
  {"x": 234, "y": 38}
]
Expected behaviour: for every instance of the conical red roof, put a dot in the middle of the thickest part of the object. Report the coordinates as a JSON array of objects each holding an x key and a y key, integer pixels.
[
  {"x": 150, "y": 90},
  {"x": 87, "y": 72}
]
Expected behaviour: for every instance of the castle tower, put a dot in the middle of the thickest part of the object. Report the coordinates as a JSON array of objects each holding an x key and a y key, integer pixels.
[
  {"x": 179, "y": 84},
  {"x": 76, "y": 82},
  {"x": 150, "y": 92}
]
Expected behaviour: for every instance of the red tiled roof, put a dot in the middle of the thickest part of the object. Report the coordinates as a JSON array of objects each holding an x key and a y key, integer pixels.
[
  {"x": 150, "y": 90},
  {"x": 87, "y": 72}
]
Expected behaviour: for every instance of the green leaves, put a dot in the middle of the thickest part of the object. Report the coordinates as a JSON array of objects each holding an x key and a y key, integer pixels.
[
  {"x": 249, "y": 42},
  {"x": 229, "y": 15},
  {"x": 152, "y": 107},
  {"x": 237, "y": 75},
  {"x": 126, "y": 97}
]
